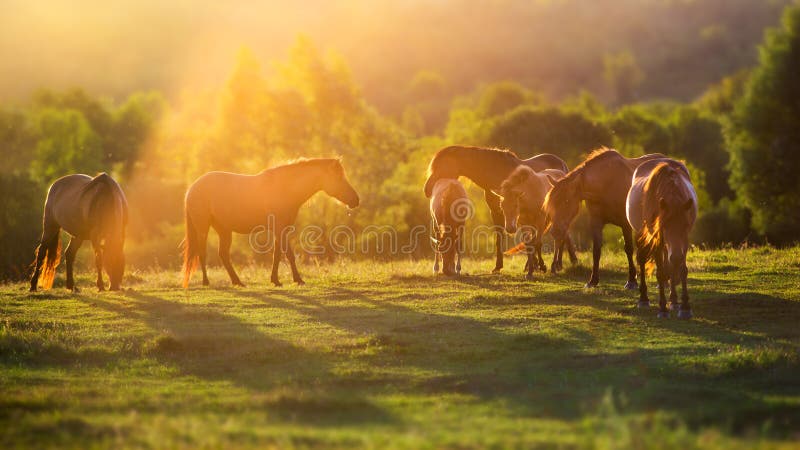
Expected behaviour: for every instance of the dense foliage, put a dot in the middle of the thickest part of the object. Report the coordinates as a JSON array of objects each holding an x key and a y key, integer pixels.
[{"x": 765, "y": 137}]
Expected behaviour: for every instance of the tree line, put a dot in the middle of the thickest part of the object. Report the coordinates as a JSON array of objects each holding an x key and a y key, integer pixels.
[{"x": 739, "y": 139}]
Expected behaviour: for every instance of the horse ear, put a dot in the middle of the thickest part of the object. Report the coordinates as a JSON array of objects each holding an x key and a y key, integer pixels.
[
  {"x": 662, "y": 204},
  {"x": 551, "y": 179}
]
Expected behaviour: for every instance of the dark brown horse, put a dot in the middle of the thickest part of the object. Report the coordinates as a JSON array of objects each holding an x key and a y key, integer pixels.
[
  {"x": 602, "y": 181},
  {"x": 450, "y": 209},
  {"x": 230, "y": 203},
  {"x": 487, "y": 168},
  {"x": 87, "y": 208},
  {"x": 662, "y": 208}
]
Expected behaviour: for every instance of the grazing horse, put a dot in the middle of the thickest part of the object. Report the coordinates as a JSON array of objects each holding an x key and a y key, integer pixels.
[
  {"x": 602, "y": 181},
  {"x": 87, "y": 208},
  {"x": 450, "y": 209},
  {"x": 230, "y": 202},
  {"x": 487, "y": 168},
  {"x": 662, "y": 208},
  {"x": 523, "y": 194}
]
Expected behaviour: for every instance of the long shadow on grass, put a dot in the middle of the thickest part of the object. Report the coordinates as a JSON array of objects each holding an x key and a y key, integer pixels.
[
  {"x": 532, "y": 373},
  {"x": 209, "y": 345}
]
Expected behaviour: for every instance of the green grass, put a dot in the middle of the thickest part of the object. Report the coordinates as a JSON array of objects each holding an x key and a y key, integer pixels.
[{"x": 384, "y": 355}]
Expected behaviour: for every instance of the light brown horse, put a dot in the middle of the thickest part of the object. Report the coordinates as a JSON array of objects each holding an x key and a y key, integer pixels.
[
  {"x": 450, "y": 209},
  {"x": 523, "y": 194},
  {"x": 662, "y": 208},
  {"x": 487, "y": 168},
  {"x": 230, "y": 203},
  {"x": 602, "y": 181},
  {"x": 87, "y": 208}
]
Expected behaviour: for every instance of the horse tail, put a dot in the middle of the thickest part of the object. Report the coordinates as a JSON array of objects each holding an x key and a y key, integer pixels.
[
  {"x": 190, "y": 254},
  {"x": 513, "y": 251},
  {"x": 52, "y": 257},
  {"x": 650, "y": 241},
  {"x": 650, "y": 238}
]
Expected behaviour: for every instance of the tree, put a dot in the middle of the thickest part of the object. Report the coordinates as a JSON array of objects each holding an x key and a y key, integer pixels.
[
  {"x": 530, "y": 130},
  {"x": 623, "y": 75},
  {"x": 764, "y": 136},
  {"x": 66, "y": 144}
]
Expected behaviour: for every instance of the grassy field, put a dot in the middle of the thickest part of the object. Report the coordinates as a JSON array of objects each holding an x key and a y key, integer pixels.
[{"x": 384, "y": 355}]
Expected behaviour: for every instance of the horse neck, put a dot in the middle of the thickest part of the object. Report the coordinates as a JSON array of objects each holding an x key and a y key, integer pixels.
[
  {"x": 487, "y": 171},
  {"x": 297, "y": 183},
  {"x": 602, "y": 180}
]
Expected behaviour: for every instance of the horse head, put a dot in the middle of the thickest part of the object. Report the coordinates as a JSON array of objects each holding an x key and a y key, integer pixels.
[{"x": 335, "y": 184}]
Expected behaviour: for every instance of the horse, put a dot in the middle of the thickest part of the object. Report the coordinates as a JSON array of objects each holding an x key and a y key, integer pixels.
[
  {"x": 662, "y": 208},
  {"x": 449, "y": 210},
  {"x": 602, "y": 181},
  {"x": 488, "y": 168},
  {"x": 93, "y": 209},
  {"x": 231, "y": 202},
  {"x": 523, "y": 194}
]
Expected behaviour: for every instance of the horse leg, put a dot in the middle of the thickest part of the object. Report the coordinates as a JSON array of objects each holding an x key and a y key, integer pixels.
[
  {"x": 499, "y": 232},
  {"x": 573, "y": 258},
  {"x": 558, "y": 253},
  {"x": 538, "y": 245},
  {"x": 72, "y": 250},
  {"x": 641, "y": 258},
  {"x": 276, "y": 256},
  {"x": 436, "y": 258},
  {"x": 686, "y": 311},
  {"x": 202, "y": 239},
  {"x": 596, "y": 225},
  {"x": 98, "y": 263},
  {"x": 627, "y": 234},
  {"x": 290, "y": 257},
  {"x": 225, "y": 239},
  {"x": 530, "y": 250},
  {"x": 41, "y": 251},
  {"x": 663, "y": 278}
]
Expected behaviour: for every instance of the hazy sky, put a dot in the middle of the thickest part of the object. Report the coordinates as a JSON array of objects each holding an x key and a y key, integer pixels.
[{"x": 113, "y": 47}]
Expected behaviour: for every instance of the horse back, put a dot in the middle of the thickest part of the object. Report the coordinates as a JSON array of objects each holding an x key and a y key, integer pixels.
[{"x": 545, "y": 161}]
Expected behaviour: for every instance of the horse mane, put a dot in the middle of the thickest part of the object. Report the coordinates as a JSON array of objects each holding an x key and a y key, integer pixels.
[
  {"x": 520, "y": 175},
  {"x": 663, "y": 183},
  {"x": 105, "y": 191},
  {"x": 477, "y": 151},
  {"x": 299, "y": 163},
  {"x": 564, "y": 187}
]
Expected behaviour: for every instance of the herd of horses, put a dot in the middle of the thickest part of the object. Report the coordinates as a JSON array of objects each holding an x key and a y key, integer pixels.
[{"x": 650, "y": 198}]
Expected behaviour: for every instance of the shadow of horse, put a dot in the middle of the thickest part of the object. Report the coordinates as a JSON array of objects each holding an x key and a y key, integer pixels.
[{"x": 211, "y": 347}]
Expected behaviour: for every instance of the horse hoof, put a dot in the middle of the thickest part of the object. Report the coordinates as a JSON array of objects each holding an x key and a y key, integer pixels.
[
  {"x": 32, "y": 289},
  {"x": 300, "y": 282},
  {"x": 631, "y": 285},
  {"x": 497, "y": 269},
  {"x": 643, "y": 304},
  {"x": 685, "y": 314},
  {"x": 674, "y": 306},
  {"x": 529, "y": 276},
  {"x": 590, "y": 285},
  {"x": 663, "y": 314},
  {"x": 277, "y": 283},
  {"x": 75, "y": 290}
]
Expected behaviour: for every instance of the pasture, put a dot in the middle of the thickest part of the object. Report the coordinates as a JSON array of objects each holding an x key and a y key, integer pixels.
[{"x": 384, "y": 355}]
